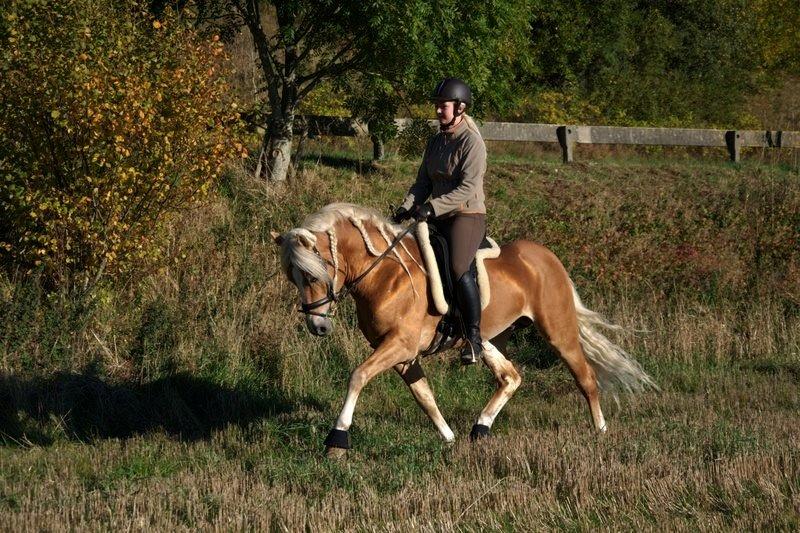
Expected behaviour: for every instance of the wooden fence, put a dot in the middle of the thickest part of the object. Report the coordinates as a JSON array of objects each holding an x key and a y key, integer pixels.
[{"x": 567, "y": 136}]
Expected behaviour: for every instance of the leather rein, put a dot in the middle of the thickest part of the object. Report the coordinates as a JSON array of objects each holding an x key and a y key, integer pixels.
[{"x": 331, "y": 295}]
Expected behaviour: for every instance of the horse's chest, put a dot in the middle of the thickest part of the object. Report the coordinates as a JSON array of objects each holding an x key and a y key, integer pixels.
[{"x": 373, "y": 325}]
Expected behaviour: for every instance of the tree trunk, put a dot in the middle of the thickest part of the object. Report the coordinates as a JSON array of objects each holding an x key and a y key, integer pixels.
[
  {"x": 276, "y": 150},
  {"x": 378, "y": 148}
]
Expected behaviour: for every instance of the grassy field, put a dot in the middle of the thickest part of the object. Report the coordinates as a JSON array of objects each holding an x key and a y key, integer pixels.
[{"x": 196, "y": 399}]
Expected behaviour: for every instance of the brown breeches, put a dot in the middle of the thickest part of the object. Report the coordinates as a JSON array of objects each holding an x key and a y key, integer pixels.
[{"x": 464, "y": 233}]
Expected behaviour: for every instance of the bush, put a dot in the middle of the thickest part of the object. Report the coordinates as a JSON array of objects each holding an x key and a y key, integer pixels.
[{"x": 109, "y": 121}]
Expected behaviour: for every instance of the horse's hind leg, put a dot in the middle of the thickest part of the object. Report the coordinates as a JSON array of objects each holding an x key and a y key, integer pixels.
[
  {"x": 568, "y": 346},
  {"x": 414, "y": 377},
  {"x": 508, "y": 380}
]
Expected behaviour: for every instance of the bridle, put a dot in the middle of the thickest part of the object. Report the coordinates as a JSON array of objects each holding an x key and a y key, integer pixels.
[{"x": 331, "y": 296}]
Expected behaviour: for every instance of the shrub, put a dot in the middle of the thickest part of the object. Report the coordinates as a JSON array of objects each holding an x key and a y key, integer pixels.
[{"x": 109, "y": 121}]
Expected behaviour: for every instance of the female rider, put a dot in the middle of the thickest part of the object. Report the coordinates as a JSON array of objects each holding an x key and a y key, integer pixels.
[{"x": 449, "y": 191}]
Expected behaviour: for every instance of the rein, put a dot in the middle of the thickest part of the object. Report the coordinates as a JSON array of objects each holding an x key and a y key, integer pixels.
[{"x": 332, "y": 297}]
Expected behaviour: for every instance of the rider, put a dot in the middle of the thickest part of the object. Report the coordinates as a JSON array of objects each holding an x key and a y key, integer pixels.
[{"x": 449, "y": 190}]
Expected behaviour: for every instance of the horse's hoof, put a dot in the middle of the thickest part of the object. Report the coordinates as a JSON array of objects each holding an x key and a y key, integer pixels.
[
  {"x": 479, "y": 431},
  {"x": 335, "y": 454},
  {"x": 337, "y": 443}
]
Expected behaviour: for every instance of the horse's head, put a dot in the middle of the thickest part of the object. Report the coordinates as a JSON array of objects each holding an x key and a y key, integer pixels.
[
  {"x": 311, "y": 256},
  {"x": 313, "y": 272}
]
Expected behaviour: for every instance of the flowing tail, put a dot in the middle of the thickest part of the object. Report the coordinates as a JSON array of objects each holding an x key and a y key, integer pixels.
[{"x": 614, "y": 367}]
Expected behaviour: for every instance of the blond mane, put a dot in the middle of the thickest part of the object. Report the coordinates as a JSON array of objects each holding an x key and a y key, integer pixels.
[{"x": 299, "y": 245}]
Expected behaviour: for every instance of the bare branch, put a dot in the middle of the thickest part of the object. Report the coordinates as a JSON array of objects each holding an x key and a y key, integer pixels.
[
  {"x": 269, "y": 63},
  {"x": 328, "y": 71},
  {"x": 324, "y": 71},
  {"x": 307, "y": 25}
]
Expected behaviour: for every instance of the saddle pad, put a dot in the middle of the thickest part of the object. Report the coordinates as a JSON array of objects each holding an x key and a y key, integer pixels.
[{"x": 437, "y": 292}]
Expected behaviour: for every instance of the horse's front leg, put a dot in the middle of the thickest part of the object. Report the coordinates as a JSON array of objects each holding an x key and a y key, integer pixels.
[
  {"x": 415, "y": 378},
  {"x": 390, "y": 352},
  {"x": 508, "y": 380}
]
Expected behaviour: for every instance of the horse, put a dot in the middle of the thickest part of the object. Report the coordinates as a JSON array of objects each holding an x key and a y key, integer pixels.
[{"x": 334, "y": 252}]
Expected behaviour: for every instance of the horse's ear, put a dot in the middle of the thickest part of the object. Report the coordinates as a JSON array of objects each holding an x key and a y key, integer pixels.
[
  {"x": 306, "y": 242},
  {"x": 277, "y": 237}
]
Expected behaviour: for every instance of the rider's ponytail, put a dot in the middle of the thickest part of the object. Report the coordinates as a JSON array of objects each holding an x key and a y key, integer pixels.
[{"x": 471, "y": 124}]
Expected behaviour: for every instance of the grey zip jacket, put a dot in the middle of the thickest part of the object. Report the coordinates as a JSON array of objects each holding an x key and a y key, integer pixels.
[{"x": 451, "y": 173}]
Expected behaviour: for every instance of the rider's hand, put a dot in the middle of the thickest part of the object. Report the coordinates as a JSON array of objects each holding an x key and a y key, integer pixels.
[
  {"x": 423, "y": 212},
  {"x": 400, "y": 215}
]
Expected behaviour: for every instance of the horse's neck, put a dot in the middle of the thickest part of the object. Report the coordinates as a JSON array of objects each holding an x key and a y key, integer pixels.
[{"x": 355, "y": 252}]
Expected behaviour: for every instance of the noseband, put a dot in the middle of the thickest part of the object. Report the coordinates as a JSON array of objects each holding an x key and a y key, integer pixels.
[{"x": 331, "y": 296}]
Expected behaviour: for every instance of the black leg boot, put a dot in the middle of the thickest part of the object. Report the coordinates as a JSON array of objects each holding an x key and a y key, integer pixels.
[{"x": 469, "y": 303}]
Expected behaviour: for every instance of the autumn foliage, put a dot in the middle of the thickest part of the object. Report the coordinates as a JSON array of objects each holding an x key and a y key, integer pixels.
[{"x": 109, "y": 121}]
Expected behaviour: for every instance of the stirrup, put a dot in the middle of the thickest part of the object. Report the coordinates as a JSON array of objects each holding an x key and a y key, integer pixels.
[{"x": 469, "y": 355}]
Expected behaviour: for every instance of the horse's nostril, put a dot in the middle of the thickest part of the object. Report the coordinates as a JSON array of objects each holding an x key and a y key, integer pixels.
[{"x": 323, "y": 330}]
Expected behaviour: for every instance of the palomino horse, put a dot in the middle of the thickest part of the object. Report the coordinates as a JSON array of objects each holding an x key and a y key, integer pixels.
[{"x": 335, "y": 248}]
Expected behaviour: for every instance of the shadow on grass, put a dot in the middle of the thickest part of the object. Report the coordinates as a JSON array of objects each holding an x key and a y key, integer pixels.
[
  {"x": 86, "y": 407},
  {"x": 531, "y": 350},
  {"x": 774, "y": 368}
]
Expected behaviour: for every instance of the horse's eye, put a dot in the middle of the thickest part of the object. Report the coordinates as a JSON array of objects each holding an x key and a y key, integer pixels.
[{"x": 312, "y": 279}]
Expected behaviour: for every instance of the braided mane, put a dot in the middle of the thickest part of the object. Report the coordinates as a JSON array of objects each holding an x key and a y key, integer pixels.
[{"x": 299, "y": 242}]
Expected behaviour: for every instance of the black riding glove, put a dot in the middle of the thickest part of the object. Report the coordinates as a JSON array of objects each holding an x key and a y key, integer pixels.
[
  {"x": 424, "y": 212},
  {"x": 401, "y": 214}
]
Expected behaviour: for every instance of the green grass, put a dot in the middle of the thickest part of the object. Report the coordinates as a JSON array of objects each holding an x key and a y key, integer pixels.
[{"x": 196, "y": 399}]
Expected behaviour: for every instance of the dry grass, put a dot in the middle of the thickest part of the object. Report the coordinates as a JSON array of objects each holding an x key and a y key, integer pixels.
[
  {"x": 197, "y": 400},
  {"x": 717, "y": 457}
]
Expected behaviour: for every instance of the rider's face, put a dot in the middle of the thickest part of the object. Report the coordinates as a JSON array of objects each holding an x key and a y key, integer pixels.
[{"x": 445, "y": 111}]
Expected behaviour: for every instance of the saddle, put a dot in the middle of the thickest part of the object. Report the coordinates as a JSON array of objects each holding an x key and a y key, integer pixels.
[{"x": 436, "y": 254}]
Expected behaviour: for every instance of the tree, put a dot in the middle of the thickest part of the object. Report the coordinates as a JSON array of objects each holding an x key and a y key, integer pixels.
[
  {"x": 404, "y": 45},
  {"x": 779, "y": 31},
  {"x": 648, "y": 62},
  {"x": 484, "y": 43}
]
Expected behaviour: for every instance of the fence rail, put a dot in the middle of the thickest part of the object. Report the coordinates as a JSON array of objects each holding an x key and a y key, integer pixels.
[{"x": 567, "y": 136}]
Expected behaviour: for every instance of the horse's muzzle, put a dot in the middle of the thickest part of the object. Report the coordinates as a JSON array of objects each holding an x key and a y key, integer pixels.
[{"x": 318, "y": 325}]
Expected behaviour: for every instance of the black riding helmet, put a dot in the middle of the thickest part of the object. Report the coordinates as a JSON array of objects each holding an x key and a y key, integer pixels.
[{"x": 452, "y": 89}]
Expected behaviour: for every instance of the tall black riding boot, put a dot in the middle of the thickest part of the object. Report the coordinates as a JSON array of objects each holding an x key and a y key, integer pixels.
[{"x": 469, "y": 303}]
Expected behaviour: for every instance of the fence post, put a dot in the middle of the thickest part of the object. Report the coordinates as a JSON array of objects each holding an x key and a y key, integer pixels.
[
  {"x": 774, "y": 138},
  {"x": 566, "y": 138},
  {"x": 734, "y": 142}
]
